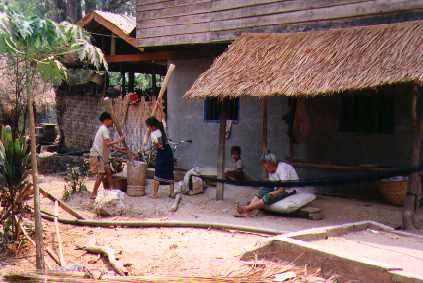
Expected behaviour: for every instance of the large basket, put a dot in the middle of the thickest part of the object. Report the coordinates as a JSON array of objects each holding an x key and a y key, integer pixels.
[{"x": 393, "y": 192}]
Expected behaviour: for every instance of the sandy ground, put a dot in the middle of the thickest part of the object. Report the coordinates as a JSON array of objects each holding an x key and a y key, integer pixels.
[
  {"x": 204, "y": 207},
  {"x": 189, "y": 252},
  {"x": 399, "y": 252}
]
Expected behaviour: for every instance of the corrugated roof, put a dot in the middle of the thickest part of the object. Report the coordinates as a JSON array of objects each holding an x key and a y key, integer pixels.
[
  {"x": 124, "y": 22},
  {"x": 316, "y": 63}
]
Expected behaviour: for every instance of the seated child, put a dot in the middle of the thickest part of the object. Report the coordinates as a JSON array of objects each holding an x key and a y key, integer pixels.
[{"x": 236, "y": 173}]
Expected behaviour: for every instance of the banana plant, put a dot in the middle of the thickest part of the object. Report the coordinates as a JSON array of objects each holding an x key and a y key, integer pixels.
[{"x": 14, "y": 170}]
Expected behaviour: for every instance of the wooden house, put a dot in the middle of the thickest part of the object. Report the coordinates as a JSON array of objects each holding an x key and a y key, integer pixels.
[{"x": 351, "y": 130}]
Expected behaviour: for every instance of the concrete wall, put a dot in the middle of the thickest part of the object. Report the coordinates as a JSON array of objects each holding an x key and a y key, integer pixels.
[
  {"x": 326, "y": 143},
  {"x": 186, "y": 121}
]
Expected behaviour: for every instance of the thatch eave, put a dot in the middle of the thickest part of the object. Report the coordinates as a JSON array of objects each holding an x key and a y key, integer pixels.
[{"x": 316, "y": 63}]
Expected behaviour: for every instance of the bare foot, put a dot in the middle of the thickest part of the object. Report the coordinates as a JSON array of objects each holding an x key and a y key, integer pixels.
[
  {"x": 93, "y": 197},
  {"x": 154, "y": 196},
  {"x": 172, "y": 195}
]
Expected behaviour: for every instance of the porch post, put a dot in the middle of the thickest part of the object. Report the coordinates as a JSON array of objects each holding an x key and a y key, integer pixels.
[
  {"x": 414, "y": 182},
  {"x": 131, "y": 82},
  {"x": 264, "y": 129},
  {"x": 221, "y": 152}
]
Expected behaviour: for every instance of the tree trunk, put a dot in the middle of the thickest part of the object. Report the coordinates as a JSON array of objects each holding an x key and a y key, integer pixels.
[
  {"x": 72, "y": 10},
  {"x": 37, "y": 213},
  {"x": 60, "y": 10},
  {"x": 414, "y": 181},
  {"x": 90, "y": 5}
]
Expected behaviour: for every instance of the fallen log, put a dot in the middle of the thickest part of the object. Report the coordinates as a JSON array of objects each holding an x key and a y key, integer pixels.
[
  {"x": 110, "y": 254},
  {"x": 63, "y": 205},
  {"x": 162, "y": 224},
  {"x": 175, "y": 204}
]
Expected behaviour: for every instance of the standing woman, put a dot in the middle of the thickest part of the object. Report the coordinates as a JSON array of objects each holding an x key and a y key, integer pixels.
[{"x": 164, "y": 161}]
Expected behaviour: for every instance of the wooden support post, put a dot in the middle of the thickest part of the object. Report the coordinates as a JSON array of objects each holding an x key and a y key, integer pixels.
[
  {"x": 220, "y": 187},
  {"x": 154, "y": 82},
  {"x": 264, "y": 129},
  {"x": 37, "y": 214},
  {"x": 414, "y": 181},
  {"x": 123, "y": 82},
  {"x": 131, "y": 82},
  {"x": 113, "y": 45}
]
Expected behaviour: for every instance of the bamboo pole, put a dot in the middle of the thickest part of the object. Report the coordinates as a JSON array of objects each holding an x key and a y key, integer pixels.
[
  {"x": 37, "y": 214},
  {"x": 59, "y": 238},
  {"x": 220, "y": 187},
  {"x": 161, "y": 224},
  {"x": 414, "y": 181},
  {"x": 160, "y": 97},
  {"x": 63, "y": 205}
]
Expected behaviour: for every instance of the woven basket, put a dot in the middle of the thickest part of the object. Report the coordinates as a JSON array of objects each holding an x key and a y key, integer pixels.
[{"x": 393, "y": 192}]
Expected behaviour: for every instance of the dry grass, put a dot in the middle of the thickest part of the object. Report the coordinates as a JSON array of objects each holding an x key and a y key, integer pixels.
[{"x": 316, "y": 63}]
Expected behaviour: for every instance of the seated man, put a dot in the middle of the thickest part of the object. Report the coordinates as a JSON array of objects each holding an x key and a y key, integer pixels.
[
  {"x": 278, "y": 171},
  {"x": 236, "y": 173}
]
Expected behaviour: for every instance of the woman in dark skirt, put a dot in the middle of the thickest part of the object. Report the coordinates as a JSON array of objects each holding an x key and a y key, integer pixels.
[{"x": 164, "y": 160}]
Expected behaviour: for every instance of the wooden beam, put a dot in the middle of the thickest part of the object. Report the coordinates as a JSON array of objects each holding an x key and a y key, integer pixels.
[
  {"x": 146, "y": 56},
  {"x": 414, "y": 180},
  {"x": 220, "y": 187},
  {"x": 63, "y": 205}
]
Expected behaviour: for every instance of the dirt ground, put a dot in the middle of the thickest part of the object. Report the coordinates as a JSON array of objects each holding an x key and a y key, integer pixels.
[{"x": 182, "y": 251}]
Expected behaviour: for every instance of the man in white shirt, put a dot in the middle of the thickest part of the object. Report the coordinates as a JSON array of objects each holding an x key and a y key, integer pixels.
[
  {"x": 277, "y": 171},
  {"x": 100, "y": 153}
]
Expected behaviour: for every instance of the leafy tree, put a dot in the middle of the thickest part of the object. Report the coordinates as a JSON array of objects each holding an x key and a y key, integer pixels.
[{"x": 40, "y": 44}]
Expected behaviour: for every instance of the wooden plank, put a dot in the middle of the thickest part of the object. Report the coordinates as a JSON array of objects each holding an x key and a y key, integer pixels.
[
  {"x": 273, "y": 7},
  {"x": 302, "y": 14},
  {"x": 141, "y": 7},
  {"x": 279, "y": 24}
]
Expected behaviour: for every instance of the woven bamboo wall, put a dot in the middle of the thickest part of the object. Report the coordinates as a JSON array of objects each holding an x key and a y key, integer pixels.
[{"x": 131, "y": 118}]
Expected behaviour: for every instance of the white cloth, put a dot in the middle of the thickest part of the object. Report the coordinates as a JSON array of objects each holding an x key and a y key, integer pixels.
[
  {"x": 285, "y": 172},
  {"x": 156, "y": 136},
  {"x": 102, "y": 134},
  {"x": 238, "y": 165}
]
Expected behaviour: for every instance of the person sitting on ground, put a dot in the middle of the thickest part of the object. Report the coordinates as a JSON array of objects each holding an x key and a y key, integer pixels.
[
  {"x": 277, "y": 172},
  {"x": 236, "y": 173},
  {"x": 100, "y": 152}
]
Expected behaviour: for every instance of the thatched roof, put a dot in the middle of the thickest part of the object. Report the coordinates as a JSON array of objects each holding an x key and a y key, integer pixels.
[
  {"x": 316, "y": 63},
  {"x": 121, "y": 25}
]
